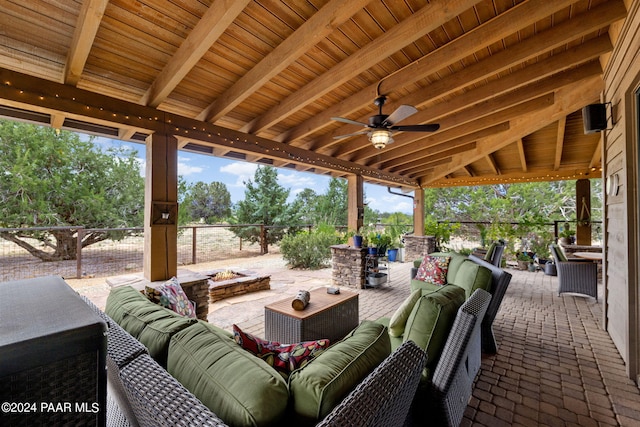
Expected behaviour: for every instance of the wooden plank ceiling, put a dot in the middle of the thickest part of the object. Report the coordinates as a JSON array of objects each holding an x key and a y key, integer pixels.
[{"x": 260, "y": 80}]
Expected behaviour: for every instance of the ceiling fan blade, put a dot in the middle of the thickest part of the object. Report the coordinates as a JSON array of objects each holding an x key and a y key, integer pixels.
[
  {"x": 432, "y": 127},
  {"x": 401, "y": 113},
  {"x": 351, "y": 122},
  {"x": 362, "y": 132}
]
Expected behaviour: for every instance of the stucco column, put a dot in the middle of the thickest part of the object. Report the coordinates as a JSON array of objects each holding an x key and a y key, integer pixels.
[{"x": 161, "y": 208}]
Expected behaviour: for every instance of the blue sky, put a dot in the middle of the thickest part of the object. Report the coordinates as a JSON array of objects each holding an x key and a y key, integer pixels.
[{"x": 198, "y": 167}]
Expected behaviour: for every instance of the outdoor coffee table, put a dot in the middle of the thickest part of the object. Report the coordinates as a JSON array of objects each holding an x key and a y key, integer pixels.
[{"x": 326, "y": 316}]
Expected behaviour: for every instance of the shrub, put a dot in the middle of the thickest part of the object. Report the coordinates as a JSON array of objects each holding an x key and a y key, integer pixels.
[{"x": 308, "y": 250}]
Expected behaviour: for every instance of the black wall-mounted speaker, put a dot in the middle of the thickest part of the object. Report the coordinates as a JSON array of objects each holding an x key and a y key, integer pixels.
[{"x": 594, "y": 117}]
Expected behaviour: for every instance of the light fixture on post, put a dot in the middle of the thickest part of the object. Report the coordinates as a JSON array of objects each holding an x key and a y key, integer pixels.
[{"x": 380, "y": 138}]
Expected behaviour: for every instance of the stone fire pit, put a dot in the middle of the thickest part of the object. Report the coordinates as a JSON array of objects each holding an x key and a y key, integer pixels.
[{"x": 227, "y": 283}]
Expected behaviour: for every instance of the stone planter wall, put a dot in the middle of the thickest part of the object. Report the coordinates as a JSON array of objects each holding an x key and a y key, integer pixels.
[
  {"x": 348, "y": 266},
  {"x": 237, "y": 286},
  {"x": 417, "y": 247}
]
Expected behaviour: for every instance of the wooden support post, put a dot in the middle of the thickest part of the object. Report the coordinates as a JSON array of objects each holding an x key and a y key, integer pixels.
[
  {"x": 355, "y": 202},
  {"x": 418, "y": 212},
  {"x": 583, "y": 212},
  {"x": 161, "y": 208}
]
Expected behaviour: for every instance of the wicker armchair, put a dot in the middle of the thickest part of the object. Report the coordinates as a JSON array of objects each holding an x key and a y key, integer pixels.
[
  {"x": 384, "y": 396},
  {"x": 575, "y": 276},
  {"x": 443, "y": 400}
]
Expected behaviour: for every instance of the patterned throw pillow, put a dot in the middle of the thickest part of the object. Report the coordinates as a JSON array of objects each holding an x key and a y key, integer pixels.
[
  {"x": 156, "y": 296},
  {"x": 433, "y": 269},
  {"x": 284, "y": 358},
  {"x": 177, "y": 299}
]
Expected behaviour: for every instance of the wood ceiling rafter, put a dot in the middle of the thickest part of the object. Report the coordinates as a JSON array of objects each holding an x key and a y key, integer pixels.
[
  {"x": 335, "y": 13},
  {"x": 215, "y": 21},
  {"x": 562, "y": 122},
  {"x": 569, "y": 98},
  {"x": 456, "y": 50},
  {"x": 522, "y": 154},
  {"x": 89, "y": 21},
  {"x": 416, "y": 26}
]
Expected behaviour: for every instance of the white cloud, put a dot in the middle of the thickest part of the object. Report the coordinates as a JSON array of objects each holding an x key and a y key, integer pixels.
[
  {"x": 243, "y": 172},
  {"x": 185, "y": 169},
  {"x": 296, "y": 181}
]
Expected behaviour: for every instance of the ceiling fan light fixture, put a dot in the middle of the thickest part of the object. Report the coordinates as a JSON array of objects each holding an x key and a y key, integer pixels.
[{"x": 380, "y": 138}]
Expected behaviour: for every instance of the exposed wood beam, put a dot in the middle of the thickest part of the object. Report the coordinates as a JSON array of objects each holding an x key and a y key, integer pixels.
[
  {"x": 481, "y": 95},
  {"x": 529, "y": 48},
  {"x": 521, "y": 153},
  {"x": 84, "y": 34},
  {"x": 57, "y": 120},
  {"x": 214, "y": 22},
  {"x": 126, "y": 133},
  {"x": 318, "y": 26},
  {"x": 493, "y": 119},
  {"x": 424, "y": 155},
  {"x": 562, "y": 123},
  {"x": 418, "y": 25},
  {"x": 468, "y": 171},
  {"x": 32, "y": 93},
  {"x": 514, "y": 177},
  {"x": 440, "y": 158},
  {"x": 596, "y": 159},
  {"x": 491, "y": 161},
  {"x": 568, "y": 99}
]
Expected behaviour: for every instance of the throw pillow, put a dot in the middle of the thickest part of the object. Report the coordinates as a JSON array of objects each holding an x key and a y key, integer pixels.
[
  {"x": 178, "y": 301},
  {"x": 433, "y": 269},
  {"x": 284, "y": 358},
  {"x": 399, "y": 318},
  {"x": 155, "y": 296}
]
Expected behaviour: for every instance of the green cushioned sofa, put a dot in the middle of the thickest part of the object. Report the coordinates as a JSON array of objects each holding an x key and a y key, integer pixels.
[{"x": 235, "y": 385}]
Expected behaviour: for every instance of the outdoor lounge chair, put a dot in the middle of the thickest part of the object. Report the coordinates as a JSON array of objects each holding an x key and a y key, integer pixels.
[
  {"x": 575, "y": 276},
  {"x": 384, "y": 397}
]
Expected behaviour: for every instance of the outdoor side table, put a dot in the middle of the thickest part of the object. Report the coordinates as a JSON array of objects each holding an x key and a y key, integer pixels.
[
  {"x": 52, "y": 356},
  {"x": 327, "y": 316}
]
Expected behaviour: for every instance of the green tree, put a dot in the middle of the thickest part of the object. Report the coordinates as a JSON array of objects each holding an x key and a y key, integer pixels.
[
  {"x": 54, "y": 179},
  {"x": 305, "y": 204},
  {"x": 211, "y": 202},
  {"x": 331, "y": 207},
  {"x": 265, "y": 203}
]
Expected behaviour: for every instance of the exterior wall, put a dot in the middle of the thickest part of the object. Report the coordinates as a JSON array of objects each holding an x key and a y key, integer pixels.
[{"x": 620, "y": 156}]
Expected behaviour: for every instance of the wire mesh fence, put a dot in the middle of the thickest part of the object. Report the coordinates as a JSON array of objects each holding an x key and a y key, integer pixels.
[{"x": 195, "y": 244}]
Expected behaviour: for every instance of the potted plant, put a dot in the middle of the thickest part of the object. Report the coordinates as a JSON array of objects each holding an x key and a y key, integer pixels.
[
  {"x": 356, "y": 237},
  {"x": 566, "y": 235},
  {"x": 523, "y": 259}
]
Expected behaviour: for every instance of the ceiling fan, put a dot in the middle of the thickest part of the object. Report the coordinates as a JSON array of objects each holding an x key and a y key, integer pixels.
[{"x": 381, "y": 126}]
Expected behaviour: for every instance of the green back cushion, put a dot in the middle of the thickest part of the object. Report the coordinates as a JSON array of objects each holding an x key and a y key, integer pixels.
[
  {"x": 395, "y": 341},
  {"x": 150, "y": 323},
  {"x": 430, "y": 322},
  {"x": 425, "y": 287},
  {"x": 320, "y": 385},
  {"x": 236, "y": 385},
  {"x": 472, "y": 276},
  {"x": 490, "y": 250},
  {"x": 399, "y": 318}
]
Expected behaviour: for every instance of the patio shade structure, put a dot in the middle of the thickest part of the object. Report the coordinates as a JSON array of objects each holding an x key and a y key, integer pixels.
[{"x": 260, "y": 80}]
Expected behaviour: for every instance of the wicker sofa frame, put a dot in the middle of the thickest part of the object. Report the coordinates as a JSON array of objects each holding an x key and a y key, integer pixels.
[{"x": 142, "y": 393}]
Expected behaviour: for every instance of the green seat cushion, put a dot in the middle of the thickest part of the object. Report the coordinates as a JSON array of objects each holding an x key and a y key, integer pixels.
[
  {"x": 320, "y": 385},
  {"x": 431, "y": 320},
  {"x": 472, "y": 276},
  {"x": 237, "y": 386},
  {"x": 399, "y": 318},
  {"x": 151, "y": 324}
]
